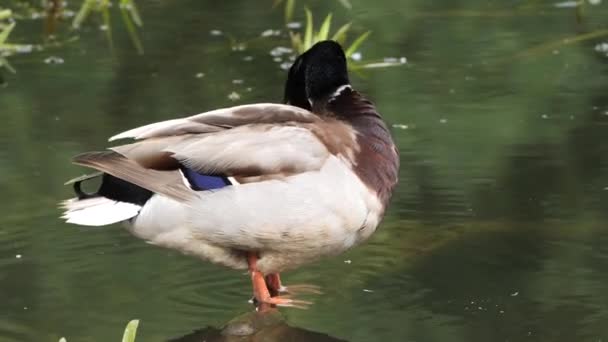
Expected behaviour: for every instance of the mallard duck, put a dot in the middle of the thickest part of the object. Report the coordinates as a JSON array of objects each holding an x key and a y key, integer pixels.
[{"x": 263, "y": 187}]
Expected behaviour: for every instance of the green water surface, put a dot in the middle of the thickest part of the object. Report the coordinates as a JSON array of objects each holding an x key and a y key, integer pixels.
[{"x": 498, "y": 230}]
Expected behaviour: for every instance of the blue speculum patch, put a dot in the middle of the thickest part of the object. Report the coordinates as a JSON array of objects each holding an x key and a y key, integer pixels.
[{"x": 201, "y": 182}]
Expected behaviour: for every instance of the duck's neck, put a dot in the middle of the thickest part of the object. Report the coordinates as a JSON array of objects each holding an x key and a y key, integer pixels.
[{"x": 377, "y": 160}]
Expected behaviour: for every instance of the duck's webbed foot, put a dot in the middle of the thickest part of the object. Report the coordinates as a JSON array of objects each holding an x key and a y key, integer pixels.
[
  {"x": 262, "y": 293},
  {"x": 276, "y": 287}
]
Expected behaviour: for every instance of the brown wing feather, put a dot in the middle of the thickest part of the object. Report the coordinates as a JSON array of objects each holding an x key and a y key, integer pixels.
[{"x": 168, "y": 183}]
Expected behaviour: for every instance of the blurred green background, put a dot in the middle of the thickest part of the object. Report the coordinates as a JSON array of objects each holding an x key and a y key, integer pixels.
[{"x": 497, "y": 231}]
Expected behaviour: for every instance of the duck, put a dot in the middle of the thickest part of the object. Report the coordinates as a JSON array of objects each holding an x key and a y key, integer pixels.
[{"x": 263, "y": 187}]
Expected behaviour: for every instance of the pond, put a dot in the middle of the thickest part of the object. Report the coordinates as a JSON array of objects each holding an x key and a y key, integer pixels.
[{"x": 498, "y": 229}]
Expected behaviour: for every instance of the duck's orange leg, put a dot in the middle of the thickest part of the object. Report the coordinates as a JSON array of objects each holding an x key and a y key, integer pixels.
[
  {"x": 273, "y": 280},
  {"x": 260, "y": 289}
]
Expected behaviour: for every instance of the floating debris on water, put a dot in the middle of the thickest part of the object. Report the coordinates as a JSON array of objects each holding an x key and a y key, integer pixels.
[
  {"x": 443, "y": 121},
  {"x": 53, "y": 60},
  {"x": 567, "y": 4},
  {"x": 248, "y": 58},
  {"x": 356, "y": 56},
  {"x": 401, "y": 60},
  {"x": 286, "y": 65},
  {"x": 239, "y": 47},
  {"x": 280, "y": 51},
  {"x": 234, "y": 96},
  {"x": 595, "y": 2},
  {"x": 200, "y": 75},
  {"x": 386, "y": 62},
  {"x": 401, "y": 126},
  {"x": 215, "y": 32},
  {"x": 294, "y": 25},
  {"x": 18, "y": 256},
  {"x": 367, "y": 290},
  {"x": 270, "y": 33},
  {"x": 544, "y": 116},
  {"x": 515, "y": 294},
  {"x": 347, "y": 261},
  {"x": 238, "y": 81},
  {"x": 602, "y": 48}
]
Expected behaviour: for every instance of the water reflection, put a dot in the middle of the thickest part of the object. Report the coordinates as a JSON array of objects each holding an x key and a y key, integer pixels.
[{"x": 269, "y": 326}]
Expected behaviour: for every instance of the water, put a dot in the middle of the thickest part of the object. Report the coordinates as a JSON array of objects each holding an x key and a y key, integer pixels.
[{"x": 496, "y": 233}]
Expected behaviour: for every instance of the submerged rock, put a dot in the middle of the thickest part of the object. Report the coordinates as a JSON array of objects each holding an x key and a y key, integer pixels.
[{"x": 256, "y": 326}]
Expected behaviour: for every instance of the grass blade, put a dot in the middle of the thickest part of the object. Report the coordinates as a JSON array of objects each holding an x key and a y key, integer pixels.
[
  {"x": 6, "y": 64},
  {"x": 83, "y": 13},
  {"x": 130, "y": 331},
  {"x": 296, "y": 42},
  {"x": 324, "y": 30},
  {"x": 131, "y": 30},
  {"x": 289, "y": 9},
  {"x": 340, "y": 35},
  {"x": 355, "y": 45},
  {"x": 309, "y": 29},
  {"x": 105, "y": 12},
  {"x": 133, "y": 11},
  {"x": 542, "y": 48},
  {"x": 346, "y": 4},
  {"x": 6, "y": 32}
]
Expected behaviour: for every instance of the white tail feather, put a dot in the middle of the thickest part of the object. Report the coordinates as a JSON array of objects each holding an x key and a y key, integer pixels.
[{"x": 97, "y": 211}]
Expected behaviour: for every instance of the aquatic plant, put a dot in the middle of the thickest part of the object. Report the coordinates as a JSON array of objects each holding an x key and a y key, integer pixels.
[
  {"x": 129, "y": 14},
  {"x": 7, "y": 24},
  {"x": 290, "y": 5},
  {"x": 311, "y": 36},
  {"x": 128, "y": 335}
]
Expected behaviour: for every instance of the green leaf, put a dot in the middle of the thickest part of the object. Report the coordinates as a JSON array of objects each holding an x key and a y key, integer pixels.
[
  {"x": 6, "y": 32},
  {"x": 324, "y": 30},
  {"x": 340, "y": 35},
  {"x": 5, "y": 14},
  {"x": 130, "y": 331},
  {"x": 355, "y": 45},
  {"x": 309, "y": 30}
]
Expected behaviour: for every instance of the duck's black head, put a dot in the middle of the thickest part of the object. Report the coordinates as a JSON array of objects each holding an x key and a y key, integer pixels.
[{"x": 316, "y": 74}]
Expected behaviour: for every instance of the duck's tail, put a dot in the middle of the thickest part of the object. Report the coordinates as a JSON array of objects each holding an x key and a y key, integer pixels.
[{"x": 115, "y": 201}]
